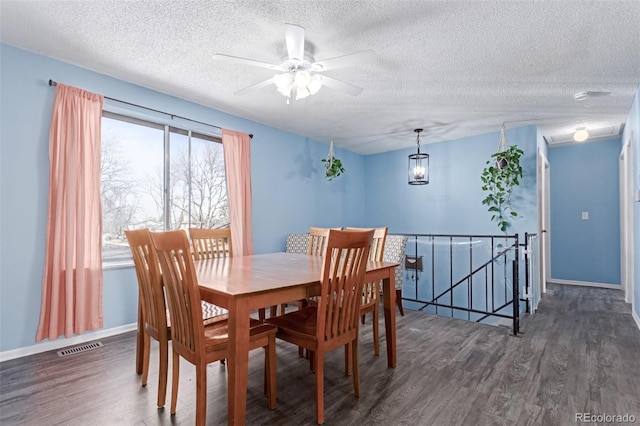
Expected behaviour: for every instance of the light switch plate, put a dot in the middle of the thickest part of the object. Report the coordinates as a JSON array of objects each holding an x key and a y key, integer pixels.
[{"x": 585, "y": 215}]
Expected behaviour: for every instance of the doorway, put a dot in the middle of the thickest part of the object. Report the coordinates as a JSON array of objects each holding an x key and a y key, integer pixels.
[{"x": 626, "y": 220}]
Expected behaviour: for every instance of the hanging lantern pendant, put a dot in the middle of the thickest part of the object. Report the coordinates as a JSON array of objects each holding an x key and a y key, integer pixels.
[{"x": 418, "y": 165}]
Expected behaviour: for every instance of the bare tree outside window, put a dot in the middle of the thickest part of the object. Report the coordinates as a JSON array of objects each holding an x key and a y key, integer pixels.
[
  {"x": 133, "y": 169},
  {"x": 118, "y": 187},
  {"x": 209, "y": 205}
]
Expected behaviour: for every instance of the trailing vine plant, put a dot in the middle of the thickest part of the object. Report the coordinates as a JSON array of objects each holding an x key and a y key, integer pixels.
[
  {"x": 333, "y": 166},
  {"x": 499, "y": 178}
]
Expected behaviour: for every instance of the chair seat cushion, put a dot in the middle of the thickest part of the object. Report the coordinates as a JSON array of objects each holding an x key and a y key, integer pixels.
[
  {"x": 394, "y": 251},
  {"x": 210, "y": 313},
  {"x": 297, "y": 243},
  {"x": 209, "y": 310}
]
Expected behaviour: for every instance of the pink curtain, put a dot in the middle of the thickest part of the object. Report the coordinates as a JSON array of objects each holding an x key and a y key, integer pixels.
[
  {"x": 72, "y": 281},
  {"x": 237, "y": 163}
]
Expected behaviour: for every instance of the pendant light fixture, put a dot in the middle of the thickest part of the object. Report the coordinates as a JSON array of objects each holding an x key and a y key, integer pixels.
[{"x": 418, "y": 165}]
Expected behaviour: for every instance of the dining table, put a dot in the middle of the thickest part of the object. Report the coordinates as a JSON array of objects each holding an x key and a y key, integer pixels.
[{"x": 243, "y": 284}]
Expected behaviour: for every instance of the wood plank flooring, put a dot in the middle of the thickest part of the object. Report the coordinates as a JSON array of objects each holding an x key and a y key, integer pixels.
[{"x": 579, "y": 354}]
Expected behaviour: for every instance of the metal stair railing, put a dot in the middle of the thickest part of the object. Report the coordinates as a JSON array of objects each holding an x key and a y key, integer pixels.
[{"x": 499, "y": 256}]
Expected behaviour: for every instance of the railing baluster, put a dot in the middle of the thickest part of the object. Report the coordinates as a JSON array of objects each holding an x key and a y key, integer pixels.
[
  {"x": 451, "y": 273},
  {"x": 433, "y": 271},
  {"x": 470, "y": 299}
]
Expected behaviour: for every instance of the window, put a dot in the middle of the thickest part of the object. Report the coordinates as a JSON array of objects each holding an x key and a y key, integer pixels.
[{"x": 158, "y": 177}]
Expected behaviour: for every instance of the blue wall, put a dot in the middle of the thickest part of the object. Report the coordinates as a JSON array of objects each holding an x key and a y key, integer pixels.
[
  {"x": 289, "y": 189},
  {"x": 585, "y": 178},
  {"x": 632, "y": 130},
  {"x": 452, "y": 202}
]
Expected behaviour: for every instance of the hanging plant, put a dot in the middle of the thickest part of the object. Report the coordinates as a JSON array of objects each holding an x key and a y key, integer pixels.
[
  {"x": 333, "y": 166},
  {"x": 499, "y": 178}
]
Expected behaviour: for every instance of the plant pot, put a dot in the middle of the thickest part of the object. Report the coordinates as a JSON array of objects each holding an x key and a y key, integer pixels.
[{"x": 501, "y": 163}]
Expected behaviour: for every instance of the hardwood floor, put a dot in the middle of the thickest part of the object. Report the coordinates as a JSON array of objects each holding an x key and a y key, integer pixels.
[{"x": 579, "y": 354}]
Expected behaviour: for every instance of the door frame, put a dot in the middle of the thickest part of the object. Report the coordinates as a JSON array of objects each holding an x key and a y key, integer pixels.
[
  {"x": 544, "y": 222},
  {"x": 626, "y": 220}
]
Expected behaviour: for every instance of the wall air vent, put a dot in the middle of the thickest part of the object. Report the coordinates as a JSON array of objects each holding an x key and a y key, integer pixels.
[{"x": 79, "y": 349}]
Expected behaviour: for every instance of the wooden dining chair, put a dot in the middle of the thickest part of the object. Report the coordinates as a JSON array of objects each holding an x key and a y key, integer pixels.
[
  {"x": 214, "y": 243},
  {"x": 371, "y": 291},
  {"x": 317, "y": 240},
  {"x": 211, "y": 243},
  {"x": 155, "y": 321},
  {"x": 332, "y": 322},
  {"x": 194, "y": 341}
]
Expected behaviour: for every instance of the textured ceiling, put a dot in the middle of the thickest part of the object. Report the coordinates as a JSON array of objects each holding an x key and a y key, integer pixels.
[{"x": 454, "y": 68}]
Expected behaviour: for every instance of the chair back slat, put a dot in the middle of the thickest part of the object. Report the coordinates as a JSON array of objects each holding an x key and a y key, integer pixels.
[
  {"x": 211, "y": 243},
  {"x": 370, "y": 290},
  {"x": 345, "y": 261},
  {"x": 149, "y": 277},
  {"x": 181, "y": 288},
  {"x": 317, "y": 241},
  {"x": 377, "y": 242}
]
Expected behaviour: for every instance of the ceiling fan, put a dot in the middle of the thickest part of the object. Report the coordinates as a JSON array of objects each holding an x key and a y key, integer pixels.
[{"x": 299, "y": 75}]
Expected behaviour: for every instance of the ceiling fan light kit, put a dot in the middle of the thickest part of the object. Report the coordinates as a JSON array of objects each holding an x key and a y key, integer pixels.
[{"x": 300, "y": 84}]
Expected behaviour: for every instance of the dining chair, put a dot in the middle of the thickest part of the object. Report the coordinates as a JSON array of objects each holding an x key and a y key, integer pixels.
[
  {"x": 155, "y": 320},
  {"x": 317, "y": 240},
  {"x": 332, "y": 322},
  {"x": 214, "y": 243},
  {"x": 371, "y": 291},
  {"x": 394, "y": 251},
  {"x": 314, "y": 243},
  {"x": 211, "y": 243},
  {"x": 194, "y": 341}
]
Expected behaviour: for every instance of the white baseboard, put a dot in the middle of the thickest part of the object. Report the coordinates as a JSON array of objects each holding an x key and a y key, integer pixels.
[
  {"x": 636, "y": 318},
  {"x": 584, "y": 284},
  {"x": 62, "y": 343}
]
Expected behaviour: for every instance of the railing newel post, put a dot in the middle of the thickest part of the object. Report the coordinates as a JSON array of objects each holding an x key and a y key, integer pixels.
[{"x": 516, "y": 290}]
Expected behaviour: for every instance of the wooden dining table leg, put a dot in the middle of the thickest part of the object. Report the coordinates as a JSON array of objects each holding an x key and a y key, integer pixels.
[
  {"x": 389, "y": 302},
  {"x": 139, "y": 341},
  {"x": 238, "y": 361}
]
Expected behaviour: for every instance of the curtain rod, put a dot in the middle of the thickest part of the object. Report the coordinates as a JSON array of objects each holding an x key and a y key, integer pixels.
[{"x": 55, "y": 83}]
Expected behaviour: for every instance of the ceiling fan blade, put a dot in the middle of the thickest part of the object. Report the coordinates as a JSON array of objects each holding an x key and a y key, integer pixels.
[
  {"x": 245, "y": 61},
  {"x": 365, "y": 57},
  {"x": 332, "y": 83},
  {"x": 294, "y": 37},
  {"x": 254, "y": 87}
]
